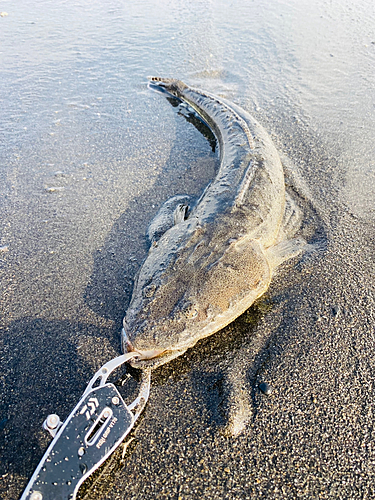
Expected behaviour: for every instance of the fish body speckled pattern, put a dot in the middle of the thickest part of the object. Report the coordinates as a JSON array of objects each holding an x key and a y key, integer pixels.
[{"x": 210, "y": 261}]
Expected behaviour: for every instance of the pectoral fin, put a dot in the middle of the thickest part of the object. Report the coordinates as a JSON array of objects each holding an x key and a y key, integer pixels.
[
  {"x": 171, "y": 213},
  {"x": 284, "y": 250}
]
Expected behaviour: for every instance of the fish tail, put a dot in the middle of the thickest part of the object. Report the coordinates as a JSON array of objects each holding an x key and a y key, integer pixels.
[{"x": 171, "y": 85}]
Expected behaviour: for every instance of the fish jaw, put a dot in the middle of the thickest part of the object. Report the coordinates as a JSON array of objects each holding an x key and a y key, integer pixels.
[
  {"x": 151, "y": 358},
  {"x": 127, "y": 346}
]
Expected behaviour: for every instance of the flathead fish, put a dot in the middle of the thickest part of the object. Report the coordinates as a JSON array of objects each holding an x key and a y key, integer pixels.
[{"x": 210, "y": 261}]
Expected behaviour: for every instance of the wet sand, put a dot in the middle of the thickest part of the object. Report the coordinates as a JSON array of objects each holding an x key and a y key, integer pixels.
[{"x": 85, "y": 165}]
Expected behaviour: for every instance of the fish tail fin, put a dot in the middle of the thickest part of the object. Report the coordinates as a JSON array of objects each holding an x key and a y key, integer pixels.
[{"x": 171, "y": 85}]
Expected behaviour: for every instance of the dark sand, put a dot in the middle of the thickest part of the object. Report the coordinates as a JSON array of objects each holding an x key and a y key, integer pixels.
[{"x": 77, "y": 116}]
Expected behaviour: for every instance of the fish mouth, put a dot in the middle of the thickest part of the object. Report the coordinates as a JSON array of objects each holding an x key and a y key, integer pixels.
[
  {"x": 127, "y": 346},
  {"x": 151, "y": 358}
]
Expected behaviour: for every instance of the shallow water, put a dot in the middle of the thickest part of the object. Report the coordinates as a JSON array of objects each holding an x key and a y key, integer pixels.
[{"x": 88, "y": 154}]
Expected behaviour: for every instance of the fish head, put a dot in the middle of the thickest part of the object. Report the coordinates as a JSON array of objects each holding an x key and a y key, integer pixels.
[
  {"x": 165, "y": 314},
  {"x": 188, "y": 288}
]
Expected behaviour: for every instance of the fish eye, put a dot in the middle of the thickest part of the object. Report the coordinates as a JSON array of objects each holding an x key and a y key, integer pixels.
[
  {"x": 149, "y": 291},
  {"x": 191, "y": 312}
]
